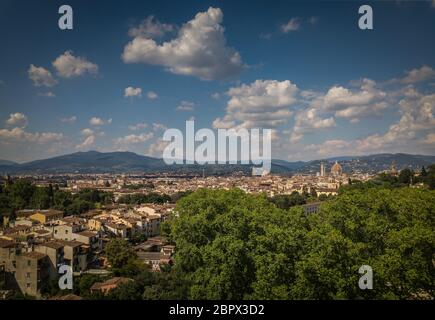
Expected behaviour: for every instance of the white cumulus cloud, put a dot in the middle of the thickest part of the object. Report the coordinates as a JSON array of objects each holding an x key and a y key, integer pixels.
[
  {"x": 133, "y": 139},
  {"x": 261, "y": 104},
  {"x": 87, "y": 142},
  {"x": 69, "y": 66},
  {"x": 87, "y": 132},
  {"x": 156, "y": 148},
  {"x": 152, "y": 95},
  {"x": 151, "y": 28},
  {"x": 132, "y": 92},
  {"x": 17, "y": 119},
  {"x": 308, "y": 120},
  {"x": 20, "y": 135},
  {"x": 418, "y": 75},
  {"x": 41, "y": 76},
  {"x": 98, "y": 122},
  {"x": 200, "y": 49}
]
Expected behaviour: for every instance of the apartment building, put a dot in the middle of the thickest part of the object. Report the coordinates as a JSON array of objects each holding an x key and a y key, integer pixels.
[
  {"x": 76, "y": 255},
  {"x": 45, "y": 216},
  {"x": 31, "y": 273},
  {"x": 55, "y": 252}
]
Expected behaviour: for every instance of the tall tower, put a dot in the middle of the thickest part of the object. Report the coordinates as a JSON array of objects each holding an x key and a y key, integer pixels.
[
  {"x": 393, "y": 169},
  {"x": 322, "y": 169}
]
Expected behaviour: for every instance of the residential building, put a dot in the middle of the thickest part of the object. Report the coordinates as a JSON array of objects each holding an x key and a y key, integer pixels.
[
  {"x": 45, "y": 216},
  {"x": 55, "y": 252},
  {"x": 76, "y": 255},
  {"x": 32, "y": 272},
  {"x": 107, "y": 286}
]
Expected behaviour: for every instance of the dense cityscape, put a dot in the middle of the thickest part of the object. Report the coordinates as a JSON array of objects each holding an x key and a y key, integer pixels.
[
  {"x": 217, "y": 157},
  {"x": 85, "y": 221}
]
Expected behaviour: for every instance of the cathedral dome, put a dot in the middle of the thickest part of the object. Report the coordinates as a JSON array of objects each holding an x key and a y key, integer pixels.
[{"x": 336, "y": 169}]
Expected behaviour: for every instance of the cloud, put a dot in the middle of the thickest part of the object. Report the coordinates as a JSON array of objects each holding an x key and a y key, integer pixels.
[
  {"x": 133, "y": 139},
  {"x": 138, "y": 126},
  {"x": 87, "y": 132},
  {"x": 430, "y": 139},
  {"x": 413, "y": 131},
  {"x": 419, "y": 75},
  {"x": 186, "y": 106},
  {"x": 152, "y": 95},
  {"x": 156, "y": 148},
  {"x": 354, "y": 112},
  {"x": 295, "y": 24},
  {"x": 330, "y": 148},
  {"x": 41, "y": 76},
  {"x": 339, "y": 98},
  {"x": 20, "y": 135},
  {"x": 151, "y": 28},
  {"x": 319, "y": 109},
  {"x": 69, "y": 66},
  {"x": 199, "y": 49},
  {"x": 87, "y": 142},
  {"x": 216, "y": 96},
  {"x": 159, "y": 126},
  {"x": 17, "y": 119},
  {"x": 48, "y": 94},
  {"x": 308, "y": 120},
  {"x": 132, "y": 92},
  {"x": 351, "y": 103},
  {"x": 292, "y": 25},
  {"x": 261, "y": 104},
  {"x": 71, "y": 119},
  {"x": 98, "y": 122}
]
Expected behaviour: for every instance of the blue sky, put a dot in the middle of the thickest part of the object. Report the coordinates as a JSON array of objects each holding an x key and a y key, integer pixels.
[{"x": 303, "y": 69}]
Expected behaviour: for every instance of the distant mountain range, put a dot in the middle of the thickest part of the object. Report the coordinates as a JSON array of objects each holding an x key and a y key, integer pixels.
[
  {"x": 7, "y": 163},
  {"x": 129, "y": 162},
  {"x": 372, "y": 163}
]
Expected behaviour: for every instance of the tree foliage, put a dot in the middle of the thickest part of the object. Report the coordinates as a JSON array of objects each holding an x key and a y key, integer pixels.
[
  {"x": 231, "y": 245},
  {"x": 22, "y": 194},
  {"x": 139, "y": 198}
]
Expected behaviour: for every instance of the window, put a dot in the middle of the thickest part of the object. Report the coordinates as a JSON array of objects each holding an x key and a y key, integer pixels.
[
  {"x": 29, "y": 263},
  {"x": 28, "y": 285},
  {"x": 55, "y": 231},
  {"x": 28, "y": 275},
  {"x": 66, "y": 231}
]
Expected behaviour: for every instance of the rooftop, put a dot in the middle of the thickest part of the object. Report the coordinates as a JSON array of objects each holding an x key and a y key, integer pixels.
[
  {"x": 114, "y": 281},
  {"x": 88, "y": 234},
  {"x": 6, "y": 243},
  {"x": 34, "y": 255},
  {"x": 53, "y": 244}
]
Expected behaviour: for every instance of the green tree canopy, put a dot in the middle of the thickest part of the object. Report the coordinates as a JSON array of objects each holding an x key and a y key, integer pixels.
[{"x": 231, "y": 245}]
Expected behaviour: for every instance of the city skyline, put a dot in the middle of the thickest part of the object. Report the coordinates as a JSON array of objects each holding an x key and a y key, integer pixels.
[{"x": 121, "y": 77}]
